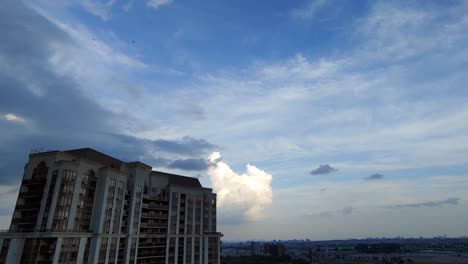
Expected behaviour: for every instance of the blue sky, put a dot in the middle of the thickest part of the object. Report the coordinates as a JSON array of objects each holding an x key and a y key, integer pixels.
[{"x": 351, "y": 114}]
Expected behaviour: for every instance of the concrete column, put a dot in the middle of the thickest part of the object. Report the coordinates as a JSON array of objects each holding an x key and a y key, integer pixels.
[
  {"x": 193, "y": 229},
  {"x": 219, "y": 250},
  {"x": 138, "y": 228},
  {"x": 185, "y": 228},
  {"x": 81, "y": 250},
  {"x": 136, "y": 249},
  {"x": 201, "y": 215},
  {"x": 206, "y": 249},
  {"x": 176, "y": 253},
  {"x": 131, "y": 216},
  {"x": 15, "y": 250},
  {"x": 100, "y": 203},
  {"x": 58, "y": 248},
  {"x": 201, "y": 229},
  {"x": 111, "y": 226},
  {"x": 201, "y": 249},
  {"x": 94, "y": 249},
  {"x": 210, "y": 206},
  {"x": 192, "y": 259},
  {"x": 53, "y": 204},
  {"x": 117, "y": 249},
  {"x": 168, "y": 240},
  {"x": 40, "y": 214},
  {"x": 74, "y": 203},
  {"x": 120, "y": 222}
]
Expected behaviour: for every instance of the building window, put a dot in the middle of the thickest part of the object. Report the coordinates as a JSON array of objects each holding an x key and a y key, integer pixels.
[
  {"x": 85, "y": 201},
  {"x": 62, "y": 209}
]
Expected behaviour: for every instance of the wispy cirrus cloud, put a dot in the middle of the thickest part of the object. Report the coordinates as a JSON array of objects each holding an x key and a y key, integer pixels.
[
  {"x": 437, "y": 203},
  {"x": 158, "y": 3},
  {"x": 99, "y": 8},
  {"x": 347, "y": 210},
  {"x": 309, "y": 11}
]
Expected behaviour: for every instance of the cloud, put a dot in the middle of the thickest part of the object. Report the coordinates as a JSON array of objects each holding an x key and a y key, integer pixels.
[
  {"x": 127, "y": 6},
  {"x": 449, "y": 201},
  {"x": 375, "y": 176},
  {"x": 309, "y": 11},
  {"x": 189, "y": 164},
  {"x": 98, "y": 8},
  {"x": 339, "y": 212},
  {"x": 8, "y": 195},
  {"x": 323, "y": 169},
  {"x": 13, "y": 118},
  {"x": 158, "y": 3},
  {"x": 186, "y": 145},
  {"x": 247, "y": 194},
  {"x": 347, "y": 210},
  {"x": 62, "y": 112}
]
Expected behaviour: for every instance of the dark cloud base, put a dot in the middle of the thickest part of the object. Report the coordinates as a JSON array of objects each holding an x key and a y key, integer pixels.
[
  {"x": 375, "y": 176},
  {"x": 323, "y": 169}
]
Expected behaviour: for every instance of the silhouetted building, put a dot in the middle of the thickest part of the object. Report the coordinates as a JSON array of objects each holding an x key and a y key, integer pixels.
[
  {"x": 277, "y": 250},
  {"x": 267, "y": 248},
  {"x": 256, "y": 248},
  {"x": 82, "y": 206}
]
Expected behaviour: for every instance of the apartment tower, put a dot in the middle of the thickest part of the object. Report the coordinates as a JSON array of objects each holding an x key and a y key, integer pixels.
[{"x": 82, "y": 206}]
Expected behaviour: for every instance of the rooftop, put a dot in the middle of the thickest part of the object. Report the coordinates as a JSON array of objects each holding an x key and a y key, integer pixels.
[{"x": 94, "y": 155}]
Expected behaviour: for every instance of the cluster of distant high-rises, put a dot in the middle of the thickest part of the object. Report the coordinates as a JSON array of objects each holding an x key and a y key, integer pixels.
[
  {"x": 82, "y": 206},
  {"x": 270, "y": 249}
]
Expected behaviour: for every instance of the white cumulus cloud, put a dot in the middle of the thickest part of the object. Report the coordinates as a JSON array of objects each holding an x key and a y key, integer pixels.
[{"x": 248, "y": 193}]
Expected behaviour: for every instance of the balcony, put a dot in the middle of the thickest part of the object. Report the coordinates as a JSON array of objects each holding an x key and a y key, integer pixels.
[
  {"x": 155, "y": 198},
  {"x": 155, "y": 206},
  {"x": 153, "y": 225},
  {"x": 31, "y": 182},
  {"x": 154, "y": 216}
]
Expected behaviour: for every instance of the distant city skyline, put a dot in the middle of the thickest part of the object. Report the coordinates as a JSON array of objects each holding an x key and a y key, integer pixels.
[{"x": 310, "y": 119}]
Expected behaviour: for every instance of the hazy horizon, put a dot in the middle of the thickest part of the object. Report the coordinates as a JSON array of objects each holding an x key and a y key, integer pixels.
[{"x": 310, "y": 119}]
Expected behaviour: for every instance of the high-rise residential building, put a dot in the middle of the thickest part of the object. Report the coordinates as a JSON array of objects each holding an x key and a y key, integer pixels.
[{"x": 82, "y": 206}]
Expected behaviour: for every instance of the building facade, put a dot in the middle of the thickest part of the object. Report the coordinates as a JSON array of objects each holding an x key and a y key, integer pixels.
[{"x": 82, "y": 206}]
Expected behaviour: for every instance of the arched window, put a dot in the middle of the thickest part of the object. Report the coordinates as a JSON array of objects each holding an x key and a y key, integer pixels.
[{"x": 40, "y": 172}]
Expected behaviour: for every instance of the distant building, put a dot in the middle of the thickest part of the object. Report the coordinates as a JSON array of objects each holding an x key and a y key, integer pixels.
[
  {"x": 271, "y": 249},
  {"x": 82, "y": 206},
  {"x": 256, "y": 248},
  {"x": 278, "y": 250},
  {"x": 267, "y": 248}
]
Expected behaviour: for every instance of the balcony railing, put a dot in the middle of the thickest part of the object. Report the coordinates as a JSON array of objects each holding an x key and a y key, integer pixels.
[
  {"x": 153, "y": 225},
  {"x": 5, "y": 231},
  {"x": 155, "y": 216},
  {"x": 155, "y": 206}
]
